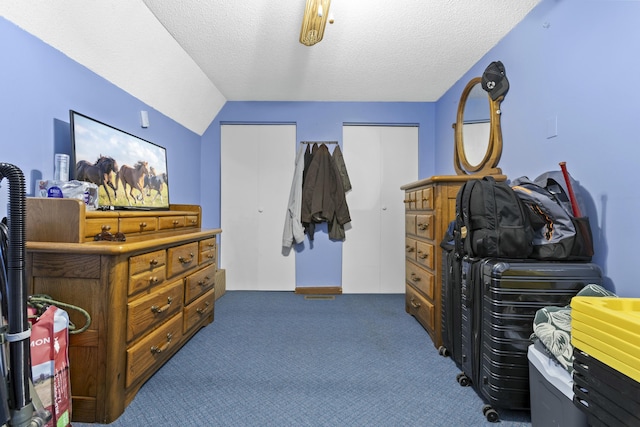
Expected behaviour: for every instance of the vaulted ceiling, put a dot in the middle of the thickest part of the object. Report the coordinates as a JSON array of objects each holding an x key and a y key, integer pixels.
[{"x": 187, "y": 58}]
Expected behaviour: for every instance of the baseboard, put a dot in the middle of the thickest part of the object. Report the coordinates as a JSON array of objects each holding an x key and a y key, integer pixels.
[{"x": 320, "y": 290}]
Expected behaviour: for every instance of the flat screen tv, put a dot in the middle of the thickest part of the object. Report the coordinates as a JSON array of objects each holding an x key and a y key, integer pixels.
[{"x": 130, "y": 172}]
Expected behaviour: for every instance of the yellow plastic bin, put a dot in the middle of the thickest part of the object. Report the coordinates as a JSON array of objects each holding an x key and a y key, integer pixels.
[{"x": 608, "y": 328}]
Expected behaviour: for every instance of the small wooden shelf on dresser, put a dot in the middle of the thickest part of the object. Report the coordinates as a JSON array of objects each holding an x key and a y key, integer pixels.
[
  {"x": 430, "y": 205},
  {"x": 146, "y": 296}
]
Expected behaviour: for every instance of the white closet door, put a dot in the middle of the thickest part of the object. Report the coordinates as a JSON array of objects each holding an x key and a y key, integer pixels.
[
  {"x": 257, "y": 164},
  {"x": 379, "y": 160}
]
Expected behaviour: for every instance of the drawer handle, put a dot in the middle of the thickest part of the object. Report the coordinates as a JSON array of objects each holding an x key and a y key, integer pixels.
[
  {"x": 414, "y": 303},
  {"x": 175, "y": 222},
  {"x": 193, "y": 221},
  {"x": 153, "y": 279},
  {"x": 410, "y": 248},
  {"x": 143, "y": 225},
  {"x": 422, "y": 226},
  {"x": 204, "y": 310},
  {"x": 211, "y": 245},
  {"x": 406, "y": 201},
  {"x": 158, "y": 310},
  {"x": 186, "y": 260},
  {"x": 105, "y": 228},
  {"x": 153, "y": 262},
  {"x": 422, "y": 255},
  {"x": 415, "y": 277},
  {"x": 211, "y": 256},
  {"x": 204, "y": 282},
  {"x": 157, "y": 350}
]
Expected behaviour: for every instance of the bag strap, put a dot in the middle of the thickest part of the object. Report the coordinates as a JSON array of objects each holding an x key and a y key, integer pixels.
[
  {"x": 466, "y": 199},
  {"x": 40, "y": 302},
  {"x": 559, "y": 194},
  {"x": 490, "y": 202},
  {"x": 458, "y": 238}
]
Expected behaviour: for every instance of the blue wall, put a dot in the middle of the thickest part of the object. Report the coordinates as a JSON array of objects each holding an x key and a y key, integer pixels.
[
  {"x": 39, "y": 85},
  {"x": 315, "y": 121},
  {"x": 574, "y": 60}
]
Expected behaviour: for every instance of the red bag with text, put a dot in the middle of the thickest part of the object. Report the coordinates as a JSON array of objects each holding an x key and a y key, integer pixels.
[{"x": 50, "y": 364}]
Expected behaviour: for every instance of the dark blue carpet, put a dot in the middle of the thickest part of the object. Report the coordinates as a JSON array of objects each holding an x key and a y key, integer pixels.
[{"x": 278, "y": 359}]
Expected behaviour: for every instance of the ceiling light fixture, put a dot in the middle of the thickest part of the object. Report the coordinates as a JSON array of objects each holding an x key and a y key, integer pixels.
[{"x": 314, "y": 21}]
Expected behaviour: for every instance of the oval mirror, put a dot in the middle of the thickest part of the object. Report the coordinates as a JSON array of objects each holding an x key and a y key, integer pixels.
[{"x": 478, "y": 138}]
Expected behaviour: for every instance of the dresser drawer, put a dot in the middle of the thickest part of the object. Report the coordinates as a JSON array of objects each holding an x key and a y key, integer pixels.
[
  {"x": 182, "y": 258},
  {"x": 149, "y": 261},
  {"x": 410, "y": 200},
  {"x": 97, "y": 225},
  {"x": 142, "y": 281},
  {"x": 149, "y": 311},
  {"x": 191, "y": 221},
  {"x": 418, "y": 306},
  {"x": 425, "y": 254},
  {"x": 198, "y": 310},
  {"x": 149, "y": 353},
  {"x": 410, "y": 248},
  {"x": 416, "y": 200},
  {"x": 208, "y": 251},
  {"x": 199, "y": 282},
  {"x": 410, "y": 223},
  {"x": 424, "y": 199},
  {"x": 425, "y": 226},
  {"x": 146, "y": 270},
  {"x": 138, "y": 225},
  {"x": 169, "y": 222},
  {"x": 421, "y": 279}
]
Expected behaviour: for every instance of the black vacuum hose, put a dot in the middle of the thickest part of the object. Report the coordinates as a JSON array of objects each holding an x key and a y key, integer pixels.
[{"x": 16, "y": 292}]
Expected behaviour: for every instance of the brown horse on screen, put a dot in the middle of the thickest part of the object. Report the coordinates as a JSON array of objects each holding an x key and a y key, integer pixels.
[
  {"x": 99, "y": 173},
  {"x": 155, "y": 181},
  {"x": 134, "y": 177}
]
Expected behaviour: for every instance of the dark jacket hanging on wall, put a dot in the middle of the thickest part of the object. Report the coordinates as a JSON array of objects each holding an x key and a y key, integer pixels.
[
  {"x": 323, "y": 196},
  {"x": 342, "y": 168},
  {"x": 308, "y": 155}
]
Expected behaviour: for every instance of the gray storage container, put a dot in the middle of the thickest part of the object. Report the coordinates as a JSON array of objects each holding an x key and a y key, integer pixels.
[{"x": 551, "y": 391}]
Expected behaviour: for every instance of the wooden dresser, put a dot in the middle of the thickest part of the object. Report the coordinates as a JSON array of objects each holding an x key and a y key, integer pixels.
[
  {"x": 430, "y": 204},
  {"x": 146, "y": 296}
]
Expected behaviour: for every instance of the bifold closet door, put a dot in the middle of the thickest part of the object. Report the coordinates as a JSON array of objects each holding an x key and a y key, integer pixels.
[
  {"x": 257, "y": 164},
  {"x": 379, "y": 160}
]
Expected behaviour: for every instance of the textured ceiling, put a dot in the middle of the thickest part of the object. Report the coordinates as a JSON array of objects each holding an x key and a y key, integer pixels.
[
  {"x": 213, "y": 51},
  {"x": 377, "y": 50}
]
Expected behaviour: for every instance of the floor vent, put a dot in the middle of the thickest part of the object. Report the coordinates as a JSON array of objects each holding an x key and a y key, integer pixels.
[{"x": 320, "y": 297}]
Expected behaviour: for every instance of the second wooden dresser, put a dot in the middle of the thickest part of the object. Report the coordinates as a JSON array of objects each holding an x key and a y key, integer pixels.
[{"x": 430, "y": 205}]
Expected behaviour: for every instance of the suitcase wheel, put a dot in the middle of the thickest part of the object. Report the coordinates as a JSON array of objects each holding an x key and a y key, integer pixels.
[
  {"x": 442, "y": 351},
  {"x": 463, "y": 379},
  {"x": 490, "y": 414}
]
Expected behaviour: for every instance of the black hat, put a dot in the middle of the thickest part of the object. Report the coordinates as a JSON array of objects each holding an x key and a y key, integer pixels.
[{"x": 494, "y": 80}]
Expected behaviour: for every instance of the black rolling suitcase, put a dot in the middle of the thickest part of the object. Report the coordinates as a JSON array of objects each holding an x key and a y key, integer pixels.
[
  {"x": 499, "y": 301},
  {"x": 470, "y": 318},
  {"x": 450, "y": 299}
]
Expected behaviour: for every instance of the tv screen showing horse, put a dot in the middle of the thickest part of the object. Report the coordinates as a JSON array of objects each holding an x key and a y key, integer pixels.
[{"x": 130, "y": 172}]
